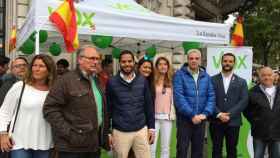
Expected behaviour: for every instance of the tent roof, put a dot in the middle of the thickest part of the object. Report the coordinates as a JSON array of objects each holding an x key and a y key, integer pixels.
[{"x": 124, "y": 18}]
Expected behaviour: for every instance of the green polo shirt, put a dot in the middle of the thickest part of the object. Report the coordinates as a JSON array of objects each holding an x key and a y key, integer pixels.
[{"x": 98, "y": 100}]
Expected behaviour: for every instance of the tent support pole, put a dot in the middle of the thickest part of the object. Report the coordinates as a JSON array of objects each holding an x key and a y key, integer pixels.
[{"x": 37, "y": 43}]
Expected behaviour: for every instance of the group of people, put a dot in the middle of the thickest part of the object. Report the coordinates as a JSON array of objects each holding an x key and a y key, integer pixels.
[{"x": 86, "y": 109}]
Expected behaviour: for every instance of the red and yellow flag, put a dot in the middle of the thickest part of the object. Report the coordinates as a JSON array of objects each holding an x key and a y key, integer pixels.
[
  {"x": 64, "y": 18},
  {"x": 13, "y": 39},
  {"x": 237, "y": 35}
]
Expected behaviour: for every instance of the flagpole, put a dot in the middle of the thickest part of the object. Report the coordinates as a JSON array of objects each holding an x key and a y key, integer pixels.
[{"x": 37, "y": 43}]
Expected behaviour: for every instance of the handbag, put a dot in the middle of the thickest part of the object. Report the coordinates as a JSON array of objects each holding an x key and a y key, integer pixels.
[
  {"x": 11, "y": 127},
  {"x": 172, "y": 114}
]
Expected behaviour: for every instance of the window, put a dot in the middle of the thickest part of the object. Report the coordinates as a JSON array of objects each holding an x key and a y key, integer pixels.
[{"x": 1, "y": 21}]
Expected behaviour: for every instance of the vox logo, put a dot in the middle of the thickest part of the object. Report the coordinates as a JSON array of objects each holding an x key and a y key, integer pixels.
[
  {"x": 83, "y": 19},
  {"x": 239, "y": 63}
]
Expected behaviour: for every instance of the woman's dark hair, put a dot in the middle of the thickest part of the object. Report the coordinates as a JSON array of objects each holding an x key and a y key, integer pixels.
[
  {"x": 140, "y": 63},
  {"x": 63, "y": 62},
  {"x": 150, "y": 78},
  {"x": 50, "y": 64}
]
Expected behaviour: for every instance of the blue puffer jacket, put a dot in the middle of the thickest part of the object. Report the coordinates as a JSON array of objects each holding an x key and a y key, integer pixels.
[{"x": 190, "y": 99}]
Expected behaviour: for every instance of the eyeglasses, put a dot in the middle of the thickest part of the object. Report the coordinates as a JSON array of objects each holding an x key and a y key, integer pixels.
[
  {"x": 19, "y": 66},
  {"x": 91, "y": 58}
]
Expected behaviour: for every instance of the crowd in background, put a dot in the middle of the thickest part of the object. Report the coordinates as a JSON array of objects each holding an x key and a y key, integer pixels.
[{"x": 49, "y": 110}]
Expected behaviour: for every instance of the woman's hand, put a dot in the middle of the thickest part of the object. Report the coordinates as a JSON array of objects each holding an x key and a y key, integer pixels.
[{"x": 6, "y": 142}]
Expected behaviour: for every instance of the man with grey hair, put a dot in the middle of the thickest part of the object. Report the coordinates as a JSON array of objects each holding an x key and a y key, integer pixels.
[
  {"x": 194, "y": 99},
  {"x": 75, "y": 108},
  {"x": 263, "y": 114},
  {"x": 18, "y": 69}
]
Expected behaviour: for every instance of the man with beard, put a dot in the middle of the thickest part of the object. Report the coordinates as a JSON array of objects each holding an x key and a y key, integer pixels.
[
  {"x": 231, "y": 99},
  {"x": 131, "y": 109}
]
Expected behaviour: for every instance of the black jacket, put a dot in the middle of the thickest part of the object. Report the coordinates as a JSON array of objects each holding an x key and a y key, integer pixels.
[
  {"x": 7, "y": 83},
  {"x": 234, "y": 102},
  {"x": 130, "y": 105},
  {"x": 265, "y": 122}
]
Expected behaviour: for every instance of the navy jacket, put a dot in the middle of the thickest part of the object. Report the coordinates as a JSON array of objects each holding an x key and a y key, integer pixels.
[
  {"x": 130, "y": 105},
  {"x": 265, "y": 122},
  {"x": 7, "y": 83},
  {"x": 234, "y": 102},
  {"x": 190, "y": 99}
]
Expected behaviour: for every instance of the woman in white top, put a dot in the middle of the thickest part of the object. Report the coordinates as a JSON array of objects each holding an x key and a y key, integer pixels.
[
  {"x": 164, "y": 110},
  {"x": 32, "y": 136}
]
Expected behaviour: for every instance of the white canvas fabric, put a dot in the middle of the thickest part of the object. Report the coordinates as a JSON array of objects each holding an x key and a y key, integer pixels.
[{"x": 124, "y": 18}]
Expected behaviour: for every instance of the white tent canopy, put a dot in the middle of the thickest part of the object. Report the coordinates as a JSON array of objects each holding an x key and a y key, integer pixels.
[{"x": 124, "y": 18}]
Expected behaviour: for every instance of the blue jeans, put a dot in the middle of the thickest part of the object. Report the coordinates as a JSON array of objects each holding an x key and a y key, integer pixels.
[
  {"x": 260, "y": 145},
  {"x": 30, "y": 153}
]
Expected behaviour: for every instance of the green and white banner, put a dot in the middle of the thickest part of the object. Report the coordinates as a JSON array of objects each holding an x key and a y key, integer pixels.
[
  {"x": 244, "y": 60},
  {"x": 243, "y": 68},
  {"x": 123, "y": 18}
]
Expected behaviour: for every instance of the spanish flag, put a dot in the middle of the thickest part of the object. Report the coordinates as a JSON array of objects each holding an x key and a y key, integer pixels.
[
  {"x": 64, "y": 18},
  {"x": 237, "y": 35},
  {"x": 13, "y": 39}
]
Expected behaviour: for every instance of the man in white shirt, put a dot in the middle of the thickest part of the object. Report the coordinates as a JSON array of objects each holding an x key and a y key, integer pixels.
[
  {"x": 231, "y": 99},
  {"x": 263, "y": 114}
]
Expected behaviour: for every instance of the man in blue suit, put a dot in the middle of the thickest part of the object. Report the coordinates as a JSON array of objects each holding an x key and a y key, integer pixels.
[
  {"x": 194, "y": 100},
  {"x": 231, "y": 99}
]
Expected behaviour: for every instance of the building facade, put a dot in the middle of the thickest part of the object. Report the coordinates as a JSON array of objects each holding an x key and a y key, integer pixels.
[
  {"x": 204, "y": 10},
  {"x": 15, "y": 14}
]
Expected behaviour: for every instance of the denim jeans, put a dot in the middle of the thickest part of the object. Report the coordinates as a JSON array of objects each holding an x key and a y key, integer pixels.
[
  {"x": 260, "y": 145},
  {"x": 30, "y": 153}
]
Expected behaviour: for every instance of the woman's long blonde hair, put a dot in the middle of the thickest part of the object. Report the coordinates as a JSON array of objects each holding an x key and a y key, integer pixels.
[{"x": 168, "y": 77}]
